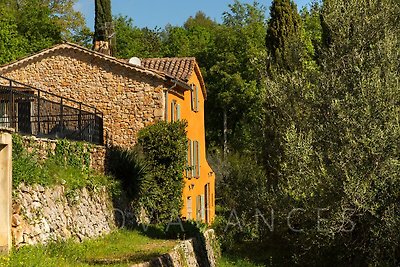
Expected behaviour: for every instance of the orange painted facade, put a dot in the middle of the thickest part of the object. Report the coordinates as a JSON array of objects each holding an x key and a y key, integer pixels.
[{"x": 199, "y": 190}]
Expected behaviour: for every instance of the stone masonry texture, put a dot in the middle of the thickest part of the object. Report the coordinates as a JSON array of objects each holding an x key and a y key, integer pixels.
[
  {"x": 42, "y": 215},
  {"x": 43, "y": 147},
  {"x": 129, "y": 99}
]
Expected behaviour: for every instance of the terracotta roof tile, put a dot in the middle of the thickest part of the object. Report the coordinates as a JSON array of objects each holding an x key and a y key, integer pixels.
[{"x": 179, "y": 68}]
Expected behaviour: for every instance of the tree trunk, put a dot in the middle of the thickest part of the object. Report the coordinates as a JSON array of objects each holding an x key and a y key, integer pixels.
[{"x": 225, "y": 134}]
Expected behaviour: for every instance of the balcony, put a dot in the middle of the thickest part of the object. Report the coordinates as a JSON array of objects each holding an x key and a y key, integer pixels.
[{"x": 32, "y": 111}]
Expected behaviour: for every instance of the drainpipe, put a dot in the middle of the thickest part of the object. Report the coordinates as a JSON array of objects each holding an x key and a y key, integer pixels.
[{"x": 166, "y": 98}]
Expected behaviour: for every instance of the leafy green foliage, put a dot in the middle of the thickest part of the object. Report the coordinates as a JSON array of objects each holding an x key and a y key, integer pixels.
[
  {"x": 283, "y": 39},
  {"x": 25, "y": 167},
  {"x": 28, "y": 26},
  {"x": 130, "y": 167},
  {"x": 102, "y": 17},
  {"x": 134, "y": 42},
  {"x": 337, "y": 130},
  {"x": 164, "y": 147},
  {"x": 68, "y": 166},
  {"x": 235, "y": 64}
]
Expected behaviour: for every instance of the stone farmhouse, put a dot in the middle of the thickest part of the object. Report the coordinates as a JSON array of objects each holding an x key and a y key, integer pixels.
[{"x": 120, "y": 97}]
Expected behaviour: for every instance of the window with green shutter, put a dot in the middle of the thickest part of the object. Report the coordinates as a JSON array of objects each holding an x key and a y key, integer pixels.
[
  {"x": 198, "y": 208},
  {"x": 175, "y": 111},
  {"x": 189, "y": 160},
  {"x": 195, "y": 97},
  {"x": 193, "y": 163},
  {"x": 173, "y": 103},
  {"x": 178, "y": 112},
  {"x": 193, "y": 159},
  {"x": 202, "y": 208},
  {"x": 189, "y": 208},
  {"x": 196, "y": 159}
]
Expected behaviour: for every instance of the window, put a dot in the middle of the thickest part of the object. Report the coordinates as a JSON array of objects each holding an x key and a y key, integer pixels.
[
  {"x": 4, "y": 120},
  {"x": 193, "y": 159},
  {"x": 203, "y": 209},
  {"x": 175, "y": 111},
  {"x": 189, "y": 160},
  {"x": 200, "y": 209},
  {"x": 189, "y": 208},
  {"x": 207, "y": 202},
  {"x": 196, "y": 159},
  {"x": 195, "y": 97}
]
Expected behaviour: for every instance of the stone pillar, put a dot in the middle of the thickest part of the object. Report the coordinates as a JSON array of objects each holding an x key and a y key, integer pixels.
[{"x": 5, "y": 192}]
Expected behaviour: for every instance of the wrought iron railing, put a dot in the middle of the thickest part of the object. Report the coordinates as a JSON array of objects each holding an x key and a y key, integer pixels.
[{"x": 32, "y": 111}]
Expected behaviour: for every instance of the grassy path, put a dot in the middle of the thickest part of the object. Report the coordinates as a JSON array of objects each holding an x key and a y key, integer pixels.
[{"x": 119, "y": 249}]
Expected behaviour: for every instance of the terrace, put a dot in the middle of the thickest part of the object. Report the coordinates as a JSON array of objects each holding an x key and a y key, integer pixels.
[{"x": 32, "y": 111}]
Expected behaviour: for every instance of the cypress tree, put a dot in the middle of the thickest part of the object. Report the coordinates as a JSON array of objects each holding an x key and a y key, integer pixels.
[
  {"x": 102, "y": 27},
  {"x": 284, "y": 33},
  {"x": 102, "y": 17}
]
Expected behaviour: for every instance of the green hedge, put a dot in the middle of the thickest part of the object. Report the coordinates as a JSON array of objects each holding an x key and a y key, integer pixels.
[{"x": 164, "y": 147}]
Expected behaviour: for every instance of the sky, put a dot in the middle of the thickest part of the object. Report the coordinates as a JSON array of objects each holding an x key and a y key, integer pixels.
[{"x": 158, "y": 13}]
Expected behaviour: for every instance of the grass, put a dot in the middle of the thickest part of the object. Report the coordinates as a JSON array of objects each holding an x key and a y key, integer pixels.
[
  {"x": 121, "y": 248},
  {"x": 252, "y": 254},
  {"x": 234, "y": 261}
]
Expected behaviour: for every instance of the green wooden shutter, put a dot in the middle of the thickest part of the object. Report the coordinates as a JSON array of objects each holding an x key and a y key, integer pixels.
[
  {"x": 198, "y": 208},
  {"x": 189, "y": 208},
  {"x": 198, "y": 158},
  {"x": 187, "y": 158},
  {"x": 178, "y": 112},
  {"x": 172, "y": 111},
  {"x": 203, "y": 211},
  {"x": 197, "y": 99},
  {"x": 192, "y": 96},
  {"x": 190, "y": 160},
  {"x": 193, "y": 162}
]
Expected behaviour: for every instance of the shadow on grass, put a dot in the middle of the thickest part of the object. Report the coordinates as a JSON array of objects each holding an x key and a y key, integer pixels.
[
  {"x": 191, "y": 229},
  {"x": 152, "y": 231},
  {"x": 253, "y": 254}
]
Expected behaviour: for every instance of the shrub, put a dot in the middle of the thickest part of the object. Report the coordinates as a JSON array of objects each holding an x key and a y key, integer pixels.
[
  {"x": 130, "y": 167},
  {"x": 164, "y": 147}
]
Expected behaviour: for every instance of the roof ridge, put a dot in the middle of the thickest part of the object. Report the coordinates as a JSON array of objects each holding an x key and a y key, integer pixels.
[
  {"x": 150, "y": 58},
  {"x": 66, "y": 45}
]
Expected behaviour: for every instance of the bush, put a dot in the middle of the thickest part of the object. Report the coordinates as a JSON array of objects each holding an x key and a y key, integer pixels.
[
  {"x": 164, "y": 147},
  {"x": 151, "y": 173},
  {"x": 130, "y": 167}
]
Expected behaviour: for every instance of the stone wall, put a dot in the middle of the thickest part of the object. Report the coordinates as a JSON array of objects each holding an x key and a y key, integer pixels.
[
  {"x": 128, "y": 99},
  {"x": 42, "y": 215},
  {"x": 196, "y": 252},
  {"x": 43, "y": 147}
]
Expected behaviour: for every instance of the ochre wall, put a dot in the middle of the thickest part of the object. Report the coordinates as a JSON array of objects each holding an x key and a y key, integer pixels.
[
  {"x": 129, "y": 99},
  {"x": 195, "y": 131}
]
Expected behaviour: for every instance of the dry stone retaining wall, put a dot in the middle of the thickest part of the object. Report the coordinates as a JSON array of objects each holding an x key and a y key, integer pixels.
[
  {"x": 43, "y": 147},
  {"x": 189, "y": 253},
  {"x": 42, "y": 215}
]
